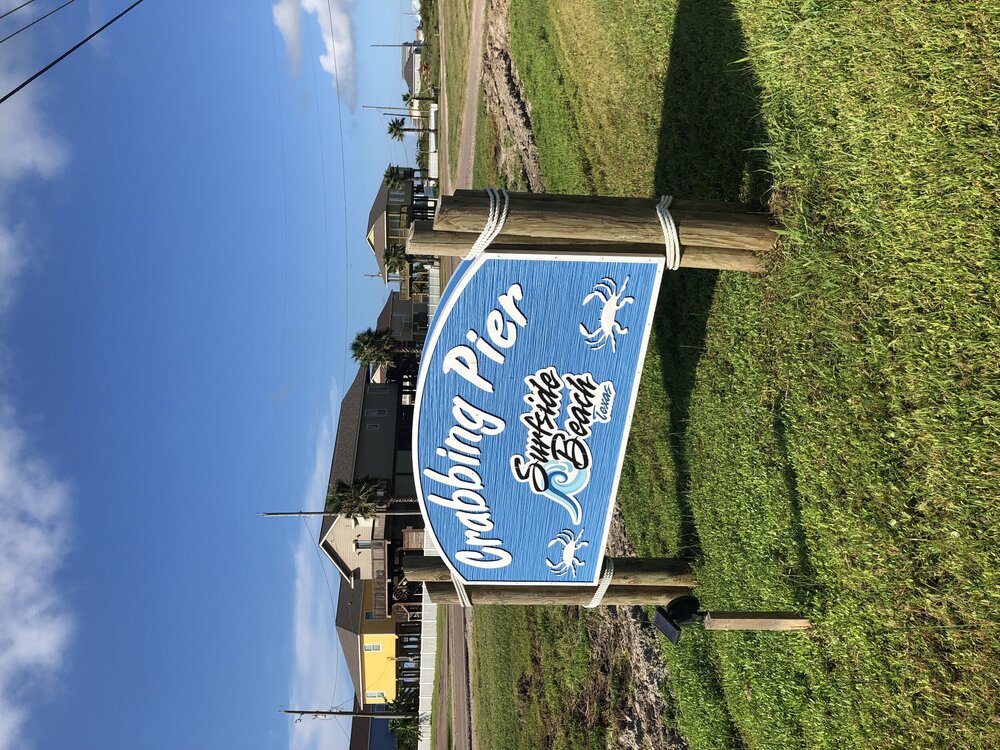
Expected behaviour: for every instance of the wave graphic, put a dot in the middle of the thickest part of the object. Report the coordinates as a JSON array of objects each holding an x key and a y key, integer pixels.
[{"x": 565, "y": 480}]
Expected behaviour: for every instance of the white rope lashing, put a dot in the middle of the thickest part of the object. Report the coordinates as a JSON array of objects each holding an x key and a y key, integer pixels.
[
  {"x": 671, "y": 240},
  {"x": 499, "y": 205},
  {"x": 602, "y": 588},
  {"x": 463, "y": 595}
]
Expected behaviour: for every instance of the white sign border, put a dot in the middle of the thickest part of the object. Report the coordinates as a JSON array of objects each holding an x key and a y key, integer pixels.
[{"x": 428, "y": 350}]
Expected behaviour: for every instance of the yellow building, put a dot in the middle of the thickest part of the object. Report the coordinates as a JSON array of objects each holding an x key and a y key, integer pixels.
[{"x": 369, "y": 644}]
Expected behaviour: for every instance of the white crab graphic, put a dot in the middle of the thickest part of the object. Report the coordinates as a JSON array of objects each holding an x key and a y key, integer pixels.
[
  {"x": 569, "y": 562},
  {"x": 613, "y": 299}
]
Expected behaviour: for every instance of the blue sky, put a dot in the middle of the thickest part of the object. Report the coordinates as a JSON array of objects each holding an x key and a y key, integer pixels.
[{"x": 182, "y": 265}]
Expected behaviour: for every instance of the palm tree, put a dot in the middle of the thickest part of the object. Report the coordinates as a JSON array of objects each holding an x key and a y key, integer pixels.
[
  {"x": 374, "y": 348},
  {"x": 365, "y": 498},
  {"x": 379, "y": 348},
  {"x": 392, "y": 178},
  {"x": 356, "y": 500},
  {"x": 398, "y": 129},
  {"x": 407, "y": 730},
  {"x": 395, "y": 258},
  {"x": 407, "y": 98}
]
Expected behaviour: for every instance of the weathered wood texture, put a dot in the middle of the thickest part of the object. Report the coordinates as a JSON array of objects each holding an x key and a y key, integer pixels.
[
  {"x": 444, "y": 593},
  {"x": 425, "y": 240},
  {"x": 629, "y": 571},
  {"x": 755, "y": 621},
  {"x": 602, "y": 219}
]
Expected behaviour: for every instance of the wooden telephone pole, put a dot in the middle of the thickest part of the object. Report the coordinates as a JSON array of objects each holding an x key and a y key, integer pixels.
[{"x": 365, "y": 714}]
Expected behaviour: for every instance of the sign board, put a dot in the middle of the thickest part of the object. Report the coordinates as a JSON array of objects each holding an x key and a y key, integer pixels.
[{"x": 527, "y": 383}]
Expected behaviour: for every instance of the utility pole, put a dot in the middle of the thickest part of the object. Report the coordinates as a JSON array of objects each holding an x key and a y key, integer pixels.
[
  {"x": 385, "y": 106},
  {"x": 365, "y": 714}
]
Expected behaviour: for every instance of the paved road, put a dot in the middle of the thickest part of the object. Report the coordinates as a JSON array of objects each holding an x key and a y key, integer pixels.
[
  {"x": 470, "y": 112},
  {"x": 453, "y": 664},
  {"x": 459, "y": 175},
  {"x": 441, "y": 707}
]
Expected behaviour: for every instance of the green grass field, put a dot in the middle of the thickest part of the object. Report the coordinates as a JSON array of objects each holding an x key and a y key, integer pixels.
[{"x": 824, "y": 438}]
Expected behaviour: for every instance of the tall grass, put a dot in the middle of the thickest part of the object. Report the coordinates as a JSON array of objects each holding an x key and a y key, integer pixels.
[{"x": 824, "y": 438}]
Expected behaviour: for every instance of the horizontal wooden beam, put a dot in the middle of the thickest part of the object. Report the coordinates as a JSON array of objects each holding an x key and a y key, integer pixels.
[
  {"x": 755, "y": 621},
  {"x": 444, "y": 593},
  {"x": 629, "y": 571},
  {"x": 425, "y": 240},
  {"x": 614, "y": 200},
  {"x": 602, "y": 219}
]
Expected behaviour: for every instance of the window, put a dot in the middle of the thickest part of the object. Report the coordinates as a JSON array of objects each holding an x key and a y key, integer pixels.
[
  {"x": 369, "y": 615},
  {"x": 373, "y": 426},
  {"x": 374, "y": 694},
  {"x": 361, "y": 544},
  {"x": 375, "y": 412},
  {"x": 378, "y": 388},
  {"x": 373, "y": 647}
]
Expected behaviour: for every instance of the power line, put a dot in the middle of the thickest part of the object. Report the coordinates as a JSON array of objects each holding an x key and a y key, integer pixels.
[
  {"x": 17, "y": 8},
  {"x": 333, "y": 602},
  {"x": 326, "y": 230},
  {"x": 343, "y": 176},
  {"x": 40, "y": 18},
  {"x": 68, "y": 52}
]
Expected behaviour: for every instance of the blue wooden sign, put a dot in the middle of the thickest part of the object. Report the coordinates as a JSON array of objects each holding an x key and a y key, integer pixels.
[{"x": 527, "y": 384}]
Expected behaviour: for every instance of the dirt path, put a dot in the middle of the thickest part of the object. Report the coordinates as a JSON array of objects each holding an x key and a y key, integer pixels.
[{"x": 517, "y": 153}]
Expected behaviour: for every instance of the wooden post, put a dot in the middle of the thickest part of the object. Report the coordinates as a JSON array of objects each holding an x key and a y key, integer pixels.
[
  {"x": 755, "y": 621},
  {"x": 600, "y": 219},
  {"x": 444, "y": 593},
  {"x": 425, "y": 240},
  {"x": 629, "y": 571}
]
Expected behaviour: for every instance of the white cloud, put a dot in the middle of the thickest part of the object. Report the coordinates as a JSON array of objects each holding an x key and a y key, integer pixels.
[
  {"x": 287, "y": 16},
  {"x": 334, "y": 19},
  {"x": 27, "y": 146},
  {"x": 320, "y": 679},
  {"x": 35, "y": 625},
  {"x": 27, "y": 150}
]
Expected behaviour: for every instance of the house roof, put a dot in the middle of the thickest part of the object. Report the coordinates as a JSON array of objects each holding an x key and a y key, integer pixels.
[
  {"x": 330, "y": 549},
  {"x": 377, "y": 227},
  {"x": 361, "y": 727},
  {"x": 385, "y": 317},
  {"x": 411, "y": 66},
  {"x": 345, "y": 449},
  {"x": 384, "y": 321},
  {"x": 349, "y": 608}
]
